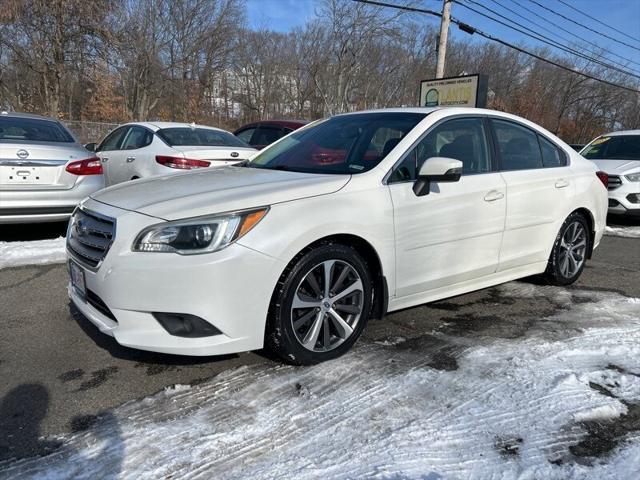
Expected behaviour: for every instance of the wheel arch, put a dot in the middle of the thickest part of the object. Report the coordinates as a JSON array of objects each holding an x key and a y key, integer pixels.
[
  {"x": 371, "y": 257},
  {"x": 588, "y": 216}
]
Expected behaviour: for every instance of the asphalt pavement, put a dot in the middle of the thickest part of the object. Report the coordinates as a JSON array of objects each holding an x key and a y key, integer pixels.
[{"x": 59, "y": 373}]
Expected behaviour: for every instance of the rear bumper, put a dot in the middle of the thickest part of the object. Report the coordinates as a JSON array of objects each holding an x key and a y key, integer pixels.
[{"x": 35, "y": 206}]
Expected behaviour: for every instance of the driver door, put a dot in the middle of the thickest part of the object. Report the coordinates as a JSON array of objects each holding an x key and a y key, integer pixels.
[{"x": 454, "y": 233}]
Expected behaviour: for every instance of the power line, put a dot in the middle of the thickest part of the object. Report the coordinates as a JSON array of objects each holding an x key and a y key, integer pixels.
[
  {"x": 536, "y": 14},
  {"x": 471, "y": 30},
  {"x": 533, "y": 22},
  {"x": 600, "y": 22},
  {"x": 539, "y": 37},
  {"x": 584, "y": 26}
]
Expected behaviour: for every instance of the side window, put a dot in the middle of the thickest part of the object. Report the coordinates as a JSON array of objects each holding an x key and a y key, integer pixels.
[
  {"x": 552, "y": 156},
  {"x": 137, "y": 137},
  {"x": 266, "y": 135},
  {"x": 112, "y": 141},
  {"x": 382, "y": 142},
  {"x": 518, "y": 146},
  {"x": 246, "y": 134},
  {"x": 463, "y": 139}
]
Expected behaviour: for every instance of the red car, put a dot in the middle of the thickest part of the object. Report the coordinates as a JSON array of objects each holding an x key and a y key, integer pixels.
[{"x": 260, "y": 134}]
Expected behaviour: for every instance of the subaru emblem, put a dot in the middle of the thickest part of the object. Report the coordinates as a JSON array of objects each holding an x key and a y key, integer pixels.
[
  {"x": 234, "y": 154},
  {"x": 81, "y": 228},
  {"x": 22, "y": 154}
]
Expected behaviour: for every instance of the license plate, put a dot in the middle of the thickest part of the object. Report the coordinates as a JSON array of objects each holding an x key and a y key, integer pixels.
[
  {"x": 17, "y": 175},
  {"x": 76, "y": 273}
]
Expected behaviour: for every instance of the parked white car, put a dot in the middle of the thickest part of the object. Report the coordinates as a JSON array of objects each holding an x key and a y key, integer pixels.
[
  {"x": 144, "y": 149},
  {"x": 338, "y": 222},
  {"x": 44, "y": 171},
  {"x": 618, "y": 155}
]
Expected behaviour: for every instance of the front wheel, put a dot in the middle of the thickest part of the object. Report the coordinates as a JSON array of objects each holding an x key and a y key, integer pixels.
[
  {"x": 569, "y": 252},
  {"x": 320, "y": 306}
]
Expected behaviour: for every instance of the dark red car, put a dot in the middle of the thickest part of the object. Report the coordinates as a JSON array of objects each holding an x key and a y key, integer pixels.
[{"x": 260, "y": 134}]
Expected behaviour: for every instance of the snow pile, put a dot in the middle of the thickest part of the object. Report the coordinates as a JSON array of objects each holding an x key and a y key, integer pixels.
[
  {"x": 37, "y": 252},
  {"x": 503, "y": 408},
  {"x": 628, "y": 232}
]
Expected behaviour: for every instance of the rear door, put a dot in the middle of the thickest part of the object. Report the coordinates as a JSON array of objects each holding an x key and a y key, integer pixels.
[
  {"x": 111, "y": 156},
  {"x": 536, "y": 194}
]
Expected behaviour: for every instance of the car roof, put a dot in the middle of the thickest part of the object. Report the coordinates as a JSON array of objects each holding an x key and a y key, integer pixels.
[
  {"x": 621, "y": 132},
  {"x": 33, "y": 116},
  {"x": 279, "y": 123},
  {"x": 155, "y": 126}
]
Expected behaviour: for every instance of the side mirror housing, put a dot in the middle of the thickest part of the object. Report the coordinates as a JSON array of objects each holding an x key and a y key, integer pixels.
[
  {"x": 91, "y": 146},
  {"x": 436, "y": 169}
]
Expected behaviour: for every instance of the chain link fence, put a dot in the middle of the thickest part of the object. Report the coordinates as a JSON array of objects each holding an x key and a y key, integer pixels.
[{"x": 87, "y": 132}]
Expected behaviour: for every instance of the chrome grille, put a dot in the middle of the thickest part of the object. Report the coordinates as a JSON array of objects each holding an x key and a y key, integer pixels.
[
  {"x": 614, "y": 182},
  {"x": 89, "y": 237}
]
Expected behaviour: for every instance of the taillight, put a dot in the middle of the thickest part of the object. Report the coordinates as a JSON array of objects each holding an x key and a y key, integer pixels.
[
  {"x": 181, "y": 163},
  {"x": 604, "y": 178},
  {"x": 90, "y": 166}
]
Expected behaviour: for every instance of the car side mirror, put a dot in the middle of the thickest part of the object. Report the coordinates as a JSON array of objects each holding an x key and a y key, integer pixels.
[
  {"x": 436, "y": 169},
  {"x": 91, "y": 146}
]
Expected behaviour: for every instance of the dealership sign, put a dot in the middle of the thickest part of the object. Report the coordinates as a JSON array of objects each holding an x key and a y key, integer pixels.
[{"x": 465, "y": 91}]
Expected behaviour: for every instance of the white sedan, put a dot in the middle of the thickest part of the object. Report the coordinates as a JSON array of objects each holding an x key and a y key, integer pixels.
[
  {"x": 144, "y": 149},
  {"x": 618, "y": 155},
  {"x": 341, "y": 221}
]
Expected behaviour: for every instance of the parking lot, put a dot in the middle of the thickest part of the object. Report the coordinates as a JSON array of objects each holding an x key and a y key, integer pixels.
[{"x": 64, "y": 384}]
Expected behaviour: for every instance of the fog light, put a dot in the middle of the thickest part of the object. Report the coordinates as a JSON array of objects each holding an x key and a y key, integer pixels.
[
  {"x": 634, "y": 197},
  {"x": 185, "y": 325}
]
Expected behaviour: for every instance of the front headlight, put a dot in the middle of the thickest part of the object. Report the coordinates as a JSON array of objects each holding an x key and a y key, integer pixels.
[
  {"x": 633, "y": 177},
  {"x": 200, "y": 234}
]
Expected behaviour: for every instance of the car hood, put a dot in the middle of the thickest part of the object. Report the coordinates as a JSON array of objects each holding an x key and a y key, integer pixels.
[
  {"x": 215, "y": 190},
  {"x": 617, "y": 167}
]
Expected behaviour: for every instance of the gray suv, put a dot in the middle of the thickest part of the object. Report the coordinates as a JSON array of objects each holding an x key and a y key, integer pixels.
[{"x": 44, "y": 172}]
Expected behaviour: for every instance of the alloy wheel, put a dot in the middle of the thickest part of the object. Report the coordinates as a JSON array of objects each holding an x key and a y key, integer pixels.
[
  {"x": 327, "y": 305},
  {"x": 573, "y": 247}
]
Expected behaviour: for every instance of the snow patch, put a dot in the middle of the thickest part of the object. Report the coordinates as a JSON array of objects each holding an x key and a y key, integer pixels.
[
  {"x": 510, "y": 409},
  {"x": 37, "y": 252},
  {"x": 628, "y": 232}
]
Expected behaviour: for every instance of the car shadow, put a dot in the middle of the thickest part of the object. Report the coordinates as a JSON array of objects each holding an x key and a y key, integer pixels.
[{"x": 116, "y": 350}]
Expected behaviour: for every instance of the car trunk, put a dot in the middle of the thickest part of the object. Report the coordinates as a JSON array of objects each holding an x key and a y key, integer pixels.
[
  {"x": 216, "y": 153},
  {"x": 42, "y": 166}
]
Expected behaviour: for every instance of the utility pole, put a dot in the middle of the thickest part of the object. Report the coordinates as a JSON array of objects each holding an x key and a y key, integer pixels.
[{"x": 442, "y": 40}]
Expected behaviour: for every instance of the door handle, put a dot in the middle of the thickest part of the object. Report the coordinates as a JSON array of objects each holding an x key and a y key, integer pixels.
[
  {"x": 104, "y": 159},
  {"x": 493, "y": 195},
  {"x": 130, "y": 159},
  {"x": 562, "y": 183}
]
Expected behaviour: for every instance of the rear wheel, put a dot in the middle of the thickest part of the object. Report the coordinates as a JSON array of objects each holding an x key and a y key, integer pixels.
[
  {"x": 321, "y": 305},
  {"x": 569, "y": 253}
]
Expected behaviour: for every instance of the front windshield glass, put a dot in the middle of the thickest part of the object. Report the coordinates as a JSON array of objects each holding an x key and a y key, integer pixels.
[
  {"x": 345, "y": 144},
  {"x": 616, "y": 147}
]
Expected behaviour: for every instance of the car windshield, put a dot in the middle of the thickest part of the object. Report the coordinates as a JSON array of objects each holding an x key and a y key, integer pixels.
[
  {"x": 16, "y": 129},
  {"x": 344, "y": 144},
  {"x": 615, "y": 147},
  {"x": 199, "y": 137}
]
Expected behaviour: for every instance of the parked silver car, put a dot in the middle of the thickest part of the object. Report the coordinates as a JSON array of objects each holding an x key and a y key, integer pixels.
[{"x": 44, "y": 171}]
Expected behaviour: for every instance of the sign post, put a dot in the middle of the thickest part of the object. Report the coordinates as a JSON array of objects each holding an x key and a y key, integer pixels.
[{"x": 464, "y": 91}]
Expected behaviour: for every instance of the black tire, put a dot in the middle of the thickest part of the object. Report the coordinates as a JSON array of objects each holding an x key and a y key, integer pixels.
[
  {"x": 556, "y": 273},
  {"x": 280, "y": 337}
]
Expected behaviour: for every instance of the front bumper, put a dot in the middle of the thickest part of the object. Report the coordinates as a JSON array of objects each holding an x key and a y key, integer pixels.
[
  {"x": 46, "y": 205},
  {"x": 231, "y": 289},
  {"x": 625, "y": 199}
]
